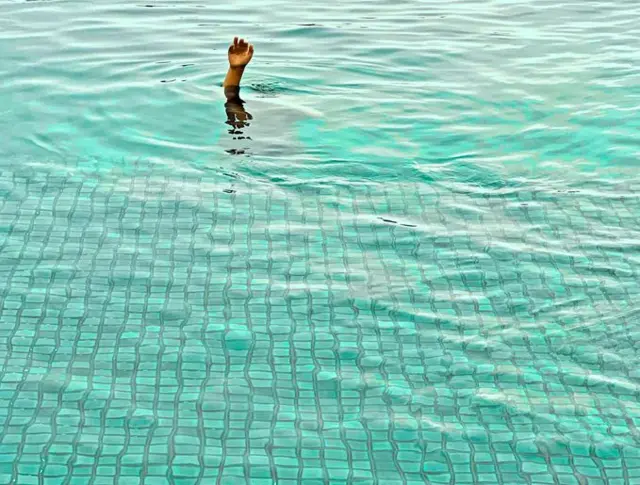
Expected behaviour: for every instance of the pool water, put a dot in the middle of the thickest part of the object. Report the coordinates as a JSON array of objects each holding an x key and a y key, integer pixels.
[{"x": 416, "y": 261}]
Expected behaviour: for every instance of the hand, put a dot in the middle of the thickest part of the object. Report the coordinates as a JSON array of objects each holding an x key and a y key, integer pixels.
[{"x": 240, "y": 53}]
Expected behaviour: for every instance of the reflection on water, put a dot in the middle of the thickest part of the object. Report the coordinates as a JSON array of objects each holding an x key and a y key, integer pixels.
[{"x": 238, "y": 119}]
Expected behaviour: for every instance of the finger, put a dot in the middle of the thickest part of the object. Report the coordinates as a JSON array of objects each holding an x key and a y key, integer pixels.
[
  {"x": 251, "y": 49},
  {"x": 235, "y": 41},
  {"x": 242, "y": 43}
]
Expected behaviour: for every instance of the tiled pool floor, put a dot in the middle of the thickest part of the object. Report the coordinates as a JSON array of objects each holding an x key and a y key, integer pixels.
[{"x": 200, "y": 330}]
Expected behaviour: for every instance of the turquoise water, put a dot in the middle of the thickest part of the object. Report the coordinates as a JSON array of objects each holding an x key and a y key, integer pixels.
[{"x": 417, "y": 263}]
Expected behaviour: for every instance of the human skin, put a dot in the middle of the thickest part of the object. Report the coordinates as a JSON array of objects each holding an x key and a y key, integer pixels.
[{"x": 240, "y": 54}]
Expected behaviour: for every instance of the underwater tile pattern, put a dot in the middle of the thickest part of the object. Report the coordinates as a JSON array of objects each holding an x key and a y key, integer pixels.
[{"x": 160, "y": 330}]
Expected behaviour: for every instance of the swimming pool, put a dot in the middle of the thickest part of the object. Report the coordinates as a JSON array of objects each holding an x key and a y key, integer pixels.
[{"x": 417, "y": 264}]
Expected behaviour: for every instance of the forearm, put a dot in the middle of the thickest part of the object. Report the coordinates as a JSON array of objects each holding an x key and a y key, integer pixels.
[
  {"x": 240, "y": 54},
  {"x": 231, "y": 82}
]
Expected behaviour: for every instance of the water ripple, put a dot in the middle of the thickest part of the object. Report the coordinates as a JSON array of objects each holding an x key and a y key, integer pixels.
[{"x": 416, "y": 261}]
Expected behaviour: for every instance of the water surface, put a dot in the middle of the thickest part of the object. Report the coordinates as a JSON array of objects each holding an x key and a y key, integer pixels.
[{"x": 417, "y": 263}]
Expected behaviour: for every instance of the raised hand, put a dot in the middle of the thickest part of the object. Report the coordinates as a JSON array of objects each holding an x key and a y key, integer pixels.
[{"x": 240, "y": 53}]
